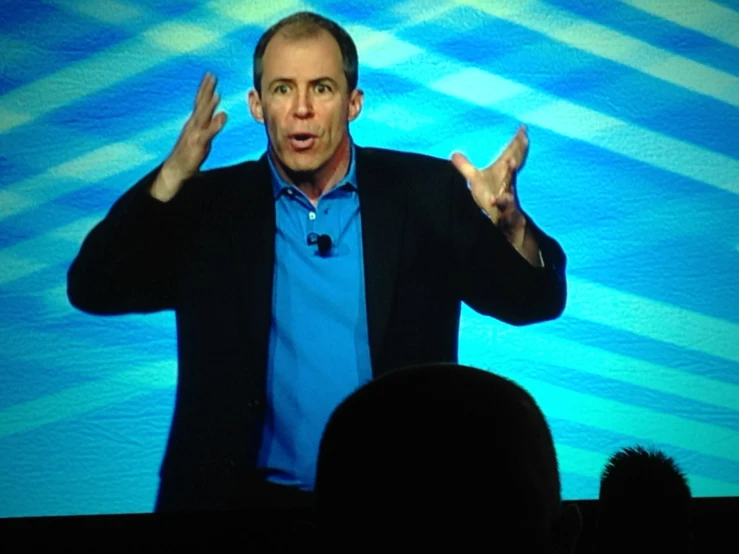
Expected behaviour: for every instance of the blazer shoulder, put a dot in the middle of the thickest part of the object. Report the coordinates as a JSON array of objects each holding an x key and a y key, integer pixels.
[
  {"x": 252, "y": 170},
  {"x": 421, "y": 173},
  {"x": 400, "y": 159},
  {"x": 250, "y": 178}
]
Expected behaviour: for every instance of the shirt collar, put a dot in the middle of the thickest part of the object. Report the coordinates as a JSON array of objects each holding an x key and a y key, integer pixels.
[{"x": 279, "y": 185}]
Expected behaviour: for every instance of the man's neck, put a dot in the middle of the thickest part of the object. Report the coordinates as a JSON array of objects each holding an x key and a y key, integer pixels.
[{"x": 316, "y": 183}]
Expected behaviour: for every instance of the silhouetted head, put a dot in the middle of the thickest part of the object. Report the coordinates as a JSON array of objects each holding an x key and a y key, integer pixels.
[
  {"x": 644, "y": 503},
  {"x": 434, "y": 452}
]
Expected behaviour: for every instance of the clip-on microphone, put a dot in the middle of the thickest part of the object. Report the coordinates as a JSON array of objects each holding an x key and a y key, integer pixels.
[{"x": 324, "y": 243}]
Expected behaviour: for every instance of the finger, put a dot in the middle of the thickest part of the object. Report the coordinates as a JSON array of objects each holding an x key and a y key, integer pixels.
[
  {"x": 509, "y": 180},
  {"x": 216, "y": 124},
  {"x": 207, "y": 115},
  {"x": 201, "y": 90},
  {"x": 512, "y": 146},
  {"x": 499, "y": 175},
  {"x": 506, "y": 184},
  {"x": 203, "y": 105},
  {"x": 464, "y": 166},
  {"x": 515, "y": 153},
  {"x": 522, "y": 148}
]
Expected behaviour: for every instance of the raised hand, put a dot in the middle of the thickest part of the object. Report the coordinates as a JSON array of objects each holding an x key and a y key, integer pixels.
[
  {"x": 193, "y": 146},
  {"x": 494, "y": 188}
]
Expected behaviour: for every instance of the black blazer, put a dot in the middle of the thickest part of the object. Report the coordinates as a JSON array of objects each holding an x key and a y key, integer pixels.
[{"x": 208, "y": 254}]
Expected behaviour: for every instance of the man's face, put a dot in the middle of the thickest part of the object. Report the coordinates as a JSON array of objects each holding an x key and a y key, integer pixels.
[{"x": 305, "y": 103}]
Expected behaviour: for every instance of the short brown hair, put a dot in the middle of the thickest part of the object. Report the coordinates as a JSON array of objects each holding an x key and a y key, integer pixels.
[{"x": 309, "y": 24}]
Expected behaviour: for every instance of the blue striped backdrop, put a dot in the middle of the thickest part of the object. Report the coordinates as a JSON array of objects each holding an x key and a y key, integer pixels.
[{"x": 633, "y": 114}]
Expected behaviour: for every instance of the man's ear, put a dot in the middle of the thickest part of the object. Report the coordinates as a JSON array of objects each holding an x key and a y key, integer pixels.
[
  {"x": 255, "y": 106},
  {"x": 356, "y": 99},
  {"x": 566, "y": 529}
]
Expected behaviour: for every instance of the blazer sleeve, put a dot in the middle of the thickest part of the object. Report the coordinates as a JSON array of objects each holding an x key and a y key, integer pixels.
[
  {"x": 493, "y": 278},
  {"x": 128, "y": 262}
]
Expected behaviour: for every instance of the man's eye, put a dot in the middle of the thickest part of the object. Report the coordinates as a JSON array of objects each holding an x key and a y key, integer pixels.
[
  {"x": 322, "y": 88},
  {"x": 281, "y": 89}
]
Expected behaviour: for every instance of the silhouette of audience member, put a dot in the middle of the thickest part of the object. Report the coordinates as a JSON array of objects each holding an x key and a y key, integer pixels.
[
  {"x": 441, "y": 452},
  {"x": 644, "y": 504}
]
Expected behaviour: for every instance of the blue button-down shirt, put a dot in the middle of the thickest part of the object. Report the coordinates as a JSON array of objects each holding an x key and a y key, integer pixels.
[{"x": 319, "y": 347}]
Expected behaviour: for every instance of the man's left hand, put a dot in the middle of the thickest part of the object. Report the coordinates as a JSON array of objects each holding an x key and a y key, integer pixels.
[{"x": 494, "y": 188}]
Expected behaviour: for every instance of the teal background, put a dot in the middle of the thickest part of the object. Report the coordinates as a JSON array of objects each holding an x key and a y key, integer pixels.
[{"x": 633, "y": 116}]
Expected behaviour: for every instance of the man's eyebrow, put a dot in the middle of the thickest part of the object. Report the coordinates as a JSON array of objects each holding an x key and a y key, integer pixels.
[
  {"x": 276, "y": 80},
  {"x": 321, "y": 79},
  {"x": 280, "y": 80}
]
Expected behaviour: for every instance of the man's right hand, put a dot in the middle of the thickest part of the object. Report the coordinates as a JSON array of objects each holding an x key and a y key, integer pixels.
[{"x": 193, "y": 146}]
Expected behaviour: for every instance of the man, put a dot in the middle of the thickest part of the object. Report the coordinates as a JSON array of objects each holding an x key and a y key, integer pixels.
[
  {"x": 446, "y": 454},
  {"x": 644, "y": 504},
  {"x": 299, "y": 277}
]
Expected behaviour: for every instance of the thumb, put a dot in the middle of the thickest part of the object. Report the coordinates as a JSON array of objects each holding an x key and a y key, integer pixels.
[
  {"x": 218, "y": 122},
  {"x": 464, "y": 166}
]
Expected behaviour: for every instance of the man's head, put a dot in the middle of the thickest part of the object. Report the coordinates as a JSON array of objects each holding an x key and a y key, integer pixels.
[
  {"x": 644, "y": 499},
  {"x": 309, "y": 25},
  {"x": 454, "y": 448},
  {"x": 305, "y": 79}
]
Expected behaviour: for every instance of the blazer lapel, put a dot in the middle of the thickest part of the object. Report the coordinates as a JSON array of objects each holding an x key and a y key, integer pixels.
[
  {"x": 383, "y": 207},
  {"x": 252, "y": 225}
]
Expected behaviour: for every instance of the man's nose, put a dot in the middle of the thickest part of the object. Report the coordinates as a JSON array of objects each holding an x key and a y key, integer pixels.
[{"x": 303, "y": 104}]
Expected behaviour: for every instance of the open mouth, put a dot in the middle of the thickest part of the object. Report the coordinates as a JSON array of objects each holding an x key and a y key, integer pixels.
[{"x": 302, "y": 141}]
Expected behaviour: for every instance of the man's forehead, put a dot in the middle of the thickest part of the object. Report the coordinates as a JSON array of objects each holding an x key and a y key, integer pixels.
[
  {"x": 282, "y": 61},
  {"x": 286, "y": 39}
]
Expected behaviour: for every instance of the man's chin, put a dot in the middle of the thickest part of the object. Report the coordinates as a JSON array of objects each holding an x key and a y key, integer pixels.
[
  {"x": 301, "y": 168},
  {"x": 303, "y": 176}
]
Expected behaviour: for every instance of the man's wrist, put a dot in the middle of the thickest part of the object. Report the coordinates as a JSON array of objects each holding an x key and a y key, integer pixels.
[
  {"x": 166, "y": 185},
  {"x": 517, "y": 235},
  {"x": 529, "y": 246}
]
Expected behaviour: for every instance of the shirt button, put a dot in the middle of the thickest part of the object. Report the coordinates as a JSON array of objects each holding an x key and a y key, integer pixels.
[{"x": 312, "y": 216}]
